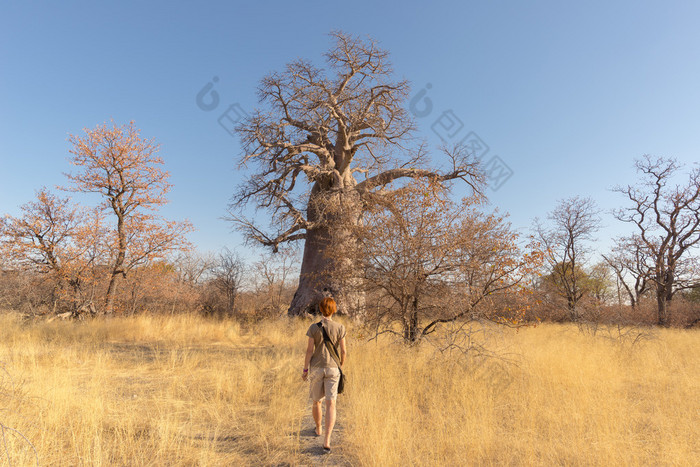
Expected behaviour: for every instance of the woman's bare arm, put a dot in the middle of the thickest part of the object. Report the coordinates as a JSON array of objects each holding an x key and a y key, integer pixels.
[
  {"x": 309, "y": 353},
  {"x": 343, "y": 352}
]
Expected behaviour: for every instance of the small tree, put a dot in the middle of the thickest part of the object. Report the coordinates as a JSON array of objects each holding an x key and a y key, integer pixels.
[
  {"x": 228, "y": 277},
  {"x": 56, "y": 239},
  {"x": 192, "y": 267},
  {"x": 599, "y": 282},
  {"x": 667, "y": 218},
  {"x": 116, "y": 163},
  {"x": 41, "y": 238},
  {"x": 272, "y": 280},
  {"x": 630, "y": 262},
  {"x": 572, "y": 223},
  {"x": 426, "y": 261}
]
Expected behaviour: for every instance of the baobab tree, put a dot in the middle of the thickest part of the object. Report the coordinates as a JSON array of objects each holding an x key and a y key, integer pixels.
[
  {"x": 116, "y": 163},
  {"x": 325, "y": 145},
  {"x": 667, "y": 218}
]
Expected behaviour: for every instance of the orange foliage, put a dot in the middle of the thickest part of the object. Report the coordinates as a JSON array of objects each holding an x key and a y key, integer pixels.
[
  {"x": 41, "y": 237},
  {"x": 60, "y": 241},
  {"x": 428, "y": 260},
  {"x": 156, "y": 288},
  {"x": 116, "y": 163}
]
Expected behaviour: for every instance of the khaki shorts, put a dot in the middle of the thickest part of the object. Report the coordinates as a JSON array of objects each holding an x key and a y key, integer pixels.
[{"x": 324, "y": 381}]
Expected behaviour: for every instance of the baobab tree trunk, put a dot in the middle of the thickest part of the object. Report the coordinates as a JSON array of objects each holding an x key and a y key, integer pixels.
[{"x": 327, "y": 264}]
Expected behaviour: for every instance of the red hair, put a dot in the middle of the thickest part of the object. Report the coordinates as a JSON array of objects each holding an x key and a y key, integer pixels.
[{"x": 327, "y": 307}]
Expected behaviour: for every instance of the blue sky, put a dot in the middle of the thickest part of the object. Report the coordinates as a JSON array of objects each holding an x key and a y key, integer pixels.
[{"x": 566, "y": 94}]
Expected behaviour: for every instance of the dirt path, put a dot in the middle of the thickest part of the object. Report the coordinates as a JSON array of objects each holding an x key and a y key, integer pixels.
[{"x": 312, "y": 445}]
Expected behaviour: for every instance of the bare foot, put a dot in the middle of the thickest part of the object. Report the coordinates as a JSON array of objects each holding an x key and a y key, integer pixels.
[{"x": 318, "y": 431}]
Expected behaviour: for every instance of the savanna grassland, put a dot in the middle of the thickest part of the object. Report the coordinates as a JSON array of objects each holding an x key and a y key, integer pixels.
[{"x": 155, "y": 390}]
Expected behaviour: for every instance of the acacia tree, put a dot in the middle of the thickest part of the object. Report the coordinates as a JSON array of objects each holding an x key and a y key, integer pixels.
[
  {"x": 317, "y": 132},
  {"x": 116, "y": 163},
  {"x": 572, "y": 223},
  {"x": 667, "y": 218}
]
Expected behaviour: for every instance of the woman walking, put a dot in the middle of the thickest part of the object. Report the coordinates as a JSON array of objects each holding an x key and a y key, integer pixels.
[{"x": 321, "y": 369}]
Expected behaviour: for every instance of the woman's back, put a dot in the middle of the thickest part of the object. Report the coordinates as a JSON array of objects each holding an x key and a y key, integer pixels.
[{"x": 321, "y": 358}]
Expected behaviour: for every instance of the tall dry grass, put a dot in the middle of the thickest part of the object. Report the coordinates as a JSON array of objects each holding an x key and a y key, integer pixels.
[
  {"x": 185, "y": 390},
  {"x": 570, "y": 399},
  {"x": 150, "y": 391}
]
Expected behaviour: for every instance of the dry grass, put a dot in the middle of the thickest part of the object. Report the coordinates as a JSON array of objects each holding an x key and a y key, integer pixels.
[
  {"x": 151, "y": 391},
  {"x": 573, "y": 399},
  {"x": 184, "y": 390}
]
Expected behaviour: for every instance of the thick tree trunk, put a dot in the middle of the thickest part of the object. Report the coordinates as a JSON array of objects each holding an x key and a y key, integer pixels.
[
  {"x": 317, "y": 279},
  {"x": 664, "y": 294},
  {"x": 663, "y": 300},
  {"x": 662, "y": 306},
  {"x": 325, "y": 270}
]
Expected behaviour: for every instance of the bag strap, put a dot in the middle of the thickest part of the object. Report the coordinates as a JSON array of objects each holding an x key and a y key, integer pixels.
[{"x": 330, "y": 346}]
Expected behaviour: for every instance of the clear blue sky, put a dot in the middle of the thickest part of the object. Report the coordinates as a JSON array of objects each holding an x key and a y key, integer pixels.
[{"x": 567, "y": 94}]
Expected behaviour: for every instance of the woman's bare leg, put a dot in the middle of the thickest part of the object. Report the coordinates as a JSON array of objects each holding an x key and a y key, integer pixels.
[
  {"x": 317, "y": 412},
  {"x": 330, "y": 422}
]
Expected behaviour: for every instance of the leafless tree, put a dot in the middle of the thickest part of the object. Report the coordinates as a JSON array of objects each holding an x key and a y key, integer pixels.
[
  {"x": 325, "y": 146},
  {"x": 572, "y": 223},
  {"x": 272, "y": 280},
  {"x": 228, "y": 277},
  {"x": 192, "y": 267},
  {"x": 630, "y": 262},
  {"x": 667, "y": 218}
]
